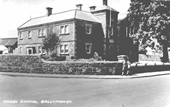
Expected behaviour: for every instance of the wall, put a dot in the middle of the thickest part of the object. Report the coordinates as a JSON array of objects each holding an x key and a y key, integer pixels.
[
  {"x": 110, "y": 32},
  {"x": 96, "y": 38},
  {"x": 150, "y": 67},
  {"x": 36, "y": 41}
]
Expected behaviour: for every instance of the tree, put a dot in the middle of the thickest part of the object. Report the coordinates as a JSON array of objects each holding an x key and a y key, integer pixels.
[
  {"x": 50, "y": 43},
  {"x": 150, "y": 21}
]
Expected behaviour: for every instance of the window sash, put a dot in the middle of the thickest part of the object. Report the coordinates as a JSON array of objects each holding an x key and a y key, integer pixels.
[
  {"x": 40, "y": 32},
  {"x": 29, "y": 34},
  {"x": 39, "y": 49},
  {"x": 64, "y": 49},
  {"x": 88, "y": 48},
  {"x": 20, "y": 50},
  {"x": 64, "y": 29},
  {"x": 61, "y": 49},
  {"x": 44, "y": 32},
  {"x": 88, "y": 29},
  {"x": 21, "y": 35}
]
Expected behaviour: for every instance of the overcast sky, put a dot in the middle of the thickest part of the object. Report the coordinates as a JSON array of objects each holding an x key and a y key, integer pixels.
[{"x": 13, "y": 13}]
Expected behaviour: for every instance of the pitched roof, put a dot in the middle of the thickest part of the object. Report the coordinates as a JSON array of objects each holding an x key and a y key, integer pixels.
[
  {"x": 105, "y": 7},
  {"x": 71, "y": 14},
  {"x": 8, "y": 41}
]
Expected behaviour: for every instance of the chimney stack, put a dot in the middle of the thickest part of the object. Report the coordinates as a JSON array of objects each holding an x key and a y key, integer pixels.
[
  {"x": 49, "y": 11},
  {"x": 79, "y": 6},
  {"x": 105, "y": 2},
  {"x": 92, "y": 8}
]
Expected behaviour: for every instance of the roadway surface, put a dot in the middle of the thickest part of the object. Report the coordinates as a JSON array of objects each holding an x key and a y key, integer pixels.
[{"x": 83, "y": 92}]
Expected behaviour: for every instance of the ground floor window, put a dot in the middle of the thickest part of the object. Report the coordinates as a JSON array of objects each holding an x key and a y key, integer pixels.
[
  {"x": 88, "y": 48},
  {"x": 20, "y": 50},
  {"x": 31, "y": 50},
  {"x": 64, "y": 49}
]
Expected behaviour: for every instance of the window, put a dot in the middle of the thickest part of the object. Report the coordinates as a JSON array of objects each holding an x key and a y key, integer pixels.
[
  {"x": 53, "y": 29},
  {"x": 21, "y": 35},
  {"x": 64, "y": 49},
  {"x": 64, "y": 29},
  {"x": 29, "y": 50},
  {"x": 29, "y": 34},
  {"x": 20, "y": 50},
  {"x": 42, "y": 32},
  {"x": 88, "y": 29},
  {"x": 88, "y": 48}
]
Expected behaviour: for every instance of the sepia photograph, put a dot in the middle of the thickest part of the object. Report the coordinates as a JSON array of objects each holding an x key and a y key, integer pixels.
[{"x": 85, "y": 53}]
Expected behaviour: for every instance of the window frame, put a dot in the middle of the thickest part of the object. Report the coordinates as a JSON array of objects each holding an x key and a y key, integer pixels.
[
  {"x": 31, "y": 51},
  {"x": 88, "y": 50},
  {"x": 64, "y": 29},
  {"x": 39, "y": 32},
  {"x": 29, "y": 34},
  {"x": 88, "y": 29},
  {"x": 64, "y": 49},
  {"x": 21, "y": 35},
  {"x": 42, "y": 32},
  {"x": 20, "y": 50}
]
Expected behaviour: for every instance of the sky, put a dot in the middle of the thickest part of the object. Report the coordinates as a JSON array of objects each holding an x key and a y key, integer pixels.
[{"x": 14, "y": 13}]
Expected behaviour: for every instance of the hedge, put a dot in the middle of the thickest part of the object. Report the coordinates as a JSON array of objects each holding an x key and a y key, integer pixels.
[{"x": 34, "y": 64}]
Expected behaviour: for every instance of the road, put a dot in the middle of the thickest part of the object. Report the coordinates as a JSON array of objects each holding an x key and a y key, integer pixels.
[{"x": 79, "y": 92}]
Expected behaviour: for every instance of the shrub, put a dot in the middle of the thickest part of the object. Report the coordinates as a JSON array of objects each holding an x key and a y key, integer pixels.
[{"x": 34, "y": 64}]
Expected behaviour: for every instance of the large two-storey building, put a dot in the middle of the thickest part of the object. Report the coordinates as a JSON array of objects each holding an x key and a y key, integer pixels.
[{"x": 81, "y": 33}]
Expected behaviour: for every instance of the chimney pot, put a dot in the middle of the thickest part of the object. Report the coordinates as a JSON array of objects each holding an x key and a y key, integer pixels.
[
  {"x": 49, "y": 11},
  {"x": 92, "y": 8},
  {"x": 105, "y": 2},
  {"x": 79, "y": 6}
]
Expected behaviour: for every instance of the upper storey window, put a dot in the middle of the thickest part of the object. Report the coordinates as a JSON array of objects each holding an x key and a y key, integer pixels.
[
  {"x": 42, "y": 32},
  {"x": 88, "y": 28},
  {"x": 64, "y": 29},
  {"x": 20, "y": 35},
  {"x": 29, "y": 34}
]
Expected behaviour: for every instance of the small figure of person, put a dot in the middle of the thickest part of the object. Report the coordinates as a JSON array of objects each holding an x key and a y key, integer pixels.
[{"x": 126, "y": 66}]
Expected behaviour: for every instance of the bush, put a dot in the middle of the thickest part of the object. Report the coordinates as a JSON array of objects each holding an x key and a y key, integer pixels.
[
  {"x": 97, "y": 57},
  {"x": 34, "y": 64}
]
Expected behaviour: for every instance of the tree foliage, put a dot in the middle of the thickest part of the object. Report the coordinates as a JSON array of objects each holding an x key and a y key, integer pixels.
[
  {"x": 150, "y": 22},
  {"x": 50, "y": 42}
]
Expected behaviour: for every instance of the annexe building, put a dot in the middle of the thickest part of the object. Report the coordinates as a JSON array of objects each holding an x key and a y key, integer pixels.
[
  {"x": 81, "y": 33},
  {"x": 9, "y": 43}
]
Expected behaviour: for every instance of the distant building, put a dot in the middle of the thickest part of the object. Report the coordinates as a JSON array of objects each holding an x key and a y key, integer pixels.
[
  {"x": 127, "y": 46},
  {"x": 8, "y": 45},
  {"x": 81, "y": 33}
]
